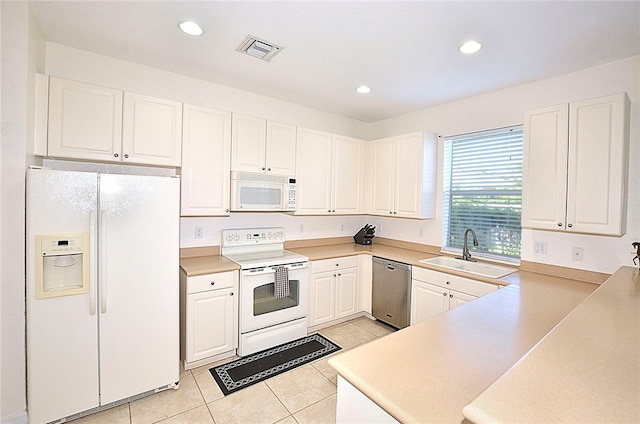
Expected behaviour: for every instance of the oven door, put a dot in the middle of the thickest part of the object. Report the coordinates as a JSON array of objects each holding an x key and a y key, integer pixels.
[{"x": 259, "y": 307}]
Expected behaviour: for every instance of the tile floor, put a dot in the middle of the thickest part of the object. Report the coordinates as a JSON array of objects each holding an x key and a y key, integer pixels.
[{"x": 304, "y": 395}]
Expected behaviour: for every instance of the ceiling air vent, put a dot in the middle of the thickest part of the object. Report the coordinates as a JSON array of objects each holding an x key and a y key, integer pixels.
[{"x": 258, "y": 48}]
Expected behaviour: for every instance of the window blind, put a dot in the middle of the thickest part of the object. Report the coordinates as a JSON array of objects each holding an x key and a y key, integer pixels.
[{"x": 483, "y": 191}]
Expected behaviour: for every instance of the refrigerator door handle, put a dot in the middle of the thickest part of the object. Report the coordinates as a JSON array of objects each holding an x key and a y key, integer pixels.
[
  {"x": 92, "y": 261},
  {"x": 101, "y": 260}
]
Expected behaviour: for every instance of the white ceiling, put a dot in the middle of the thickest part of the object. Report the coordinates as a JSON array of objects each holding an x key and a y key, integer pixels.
[{"x": 406, "y": 51}]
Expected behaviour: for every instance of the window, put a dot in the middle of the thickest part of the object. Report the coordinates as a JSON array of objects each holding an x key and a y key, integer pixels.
[{"x": 483, "y": 191}]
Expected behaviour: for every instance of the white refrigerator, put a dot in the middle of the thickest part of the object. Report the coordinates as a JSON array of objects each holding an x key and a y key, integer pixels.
[{"x": 102, "y": 290}]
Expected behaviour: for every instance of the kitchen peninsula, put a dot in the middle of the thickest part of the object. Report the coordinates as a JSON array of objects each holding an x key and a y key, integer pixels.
[{"x": 430, "y": 371}]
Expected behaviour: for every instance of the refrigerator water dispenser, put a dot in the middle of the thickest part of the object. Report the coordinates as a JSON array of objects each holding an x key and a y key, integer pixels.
[{"x": 62, "y": 265}]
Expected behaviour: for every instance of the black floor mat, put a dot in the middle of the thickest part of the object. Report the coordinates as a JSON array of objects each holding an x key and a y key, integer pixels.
[{"x": 259, "y": 366}]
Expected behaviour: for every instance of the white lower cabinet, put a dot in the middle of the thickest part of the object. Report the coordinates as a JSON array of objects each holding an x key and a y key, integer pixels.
[
  {"x": 434, "y": 292},
  {"x": 333, "y": 290},
  {"x": 208, "y": 317}
]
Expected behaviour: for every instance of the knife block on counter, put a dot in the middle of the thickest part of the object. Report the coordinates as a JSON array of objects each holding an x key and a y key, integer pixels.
[{"x": 365, "y": 235}]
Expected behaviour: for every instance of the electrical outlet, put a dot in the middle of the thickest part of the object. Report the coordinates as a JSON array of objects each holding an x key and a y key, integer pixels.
[
  {"x": 421, "y": 232},
  {"x": 540, "y": 247},
  {"x": 576, "y": 253},
  {"x": 301, "y": 228},
  {"x": 341, "y": 227},
  {"x": 199, "y": 233}
]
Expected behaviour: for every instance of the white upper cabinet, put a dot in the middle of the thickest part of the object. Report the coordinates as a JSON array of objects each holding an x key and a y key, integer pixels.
[
  {"x": 206, "y": 158},
  {"x": 85, "y": 121},
  {"x": 151, "y": 130},
  {"x": 404, "y": 176},
  {"x": 575, "y": 166},
  {"x": 329, "y": 173},
  {"x": 262, "y": 146},
  {"x": 280, "y": 154},
  {"x": 346, "y": 176},
  {"x": 313, "y": 156},
  {"x": 90, "y": 122}
]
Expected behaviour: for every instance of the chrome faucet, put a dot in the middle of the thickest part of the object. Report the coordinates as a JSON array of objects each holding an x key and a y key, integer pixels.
[{"x": 465, "y": 249}]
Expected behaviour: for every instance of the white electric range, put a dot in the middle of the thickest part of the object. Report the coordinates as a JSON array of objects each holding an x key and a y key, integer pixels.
[{"x": 267, "y": 318}]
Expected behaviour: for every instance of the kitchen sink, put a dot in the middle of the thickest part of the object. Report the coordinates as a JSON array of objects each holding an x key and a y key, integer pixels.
[{"x": 485, "y": 270}]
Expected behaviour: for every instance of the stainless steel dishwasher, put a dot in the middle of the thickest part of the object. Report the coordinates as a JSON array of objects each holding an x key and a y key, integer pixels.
[{"x": 391, "y": 292}]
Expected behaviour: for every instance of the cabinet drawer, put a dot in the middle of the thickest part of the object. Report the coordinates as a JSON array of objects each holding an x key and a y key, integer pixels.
[
  {"x": 220, "y": 280},
  {"x": 453, "y": 282},
  {"x": 325, "y": 265}
]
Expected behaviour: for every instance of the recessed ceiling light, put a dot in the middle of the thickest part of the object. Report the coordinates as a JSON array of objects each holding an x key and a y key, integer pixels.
[
  {"x": 470, "y": 47},
  {"x": 363, "y": 89},
  {"x": 191, "y": 28}
]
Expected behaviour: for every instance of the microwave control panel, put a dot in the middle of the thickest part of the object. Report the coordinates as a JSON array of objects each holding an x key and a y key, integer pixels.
[{"x": 291, "y": 201}]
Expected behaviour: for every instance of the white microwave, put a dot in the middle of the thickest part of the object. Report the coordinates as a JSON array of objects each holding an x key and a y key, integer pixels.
[{"x": 253, "y": 192}]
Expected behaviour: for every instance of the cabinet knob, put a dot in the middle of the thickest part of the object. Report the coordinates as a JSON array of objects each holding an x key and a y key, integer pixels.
[
  {"x": 115, "y": 155},
  {"x": 333, "y": 210},
  {"x": 228, "y": 210},
  {"x": 448, "y": 282},
  {"x": 451, "y": 296},
  {"x": 390, "y": 212},
  {"x": 269, "y": 169},
  {"x": 213, "y": 283},
  {"x": 395, "y": 213},
  {"x": 231, "y": 294},
  {"x": 444, "y": 294},
  {"x": 339, "y": 274},
  {"x": 559, "y": 224},
  {"x": 569, "y": 225},
  {"x": 126, "y": 156},
  {"x": 263, "y": 168},
  {"x": 329, "y": 210}
]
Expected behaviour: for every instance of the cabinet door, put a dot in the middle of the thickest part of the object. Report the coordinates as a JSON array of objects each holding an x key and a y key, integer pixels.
[
  {"x": 427, "y": 300},
  {"x": 544, "y": 169},
  {"x": 280, "y": 149},
  {"x": 321, "y": 298},
  {"x": 408, "y": 175},
  {"x": 346, "y": 172},
  {"x": 457, "y": 298},
  {"x": 598, "y": 165},
  {"x": 151, "y": 130},
  {"x": 85, "y": 121},
  {"x": 383, "y": 177},
  {"x": 248, "y": 143},
  {"x": 313, "y": 159},
  {"x": 346, "y": 292},
  {"x": 210, "y": 324},
  {"x": 206, "y": 154}
]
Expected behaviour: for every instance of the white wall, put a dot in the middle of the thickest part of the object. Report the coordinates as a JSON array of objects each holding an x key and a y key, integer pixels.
[
  {"x": 504, "y": 108},
  {"x": 23, "y": 44}
]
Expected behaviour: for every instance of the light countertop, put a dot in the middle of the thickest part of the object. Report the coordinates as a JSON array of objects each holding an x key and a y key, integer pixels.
[
  {"x": 587, "y": 370},
  {"x": 428, "y": 372},
  {"x": 210, "y": 264},
  {"x": 200, "y": 265}
]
